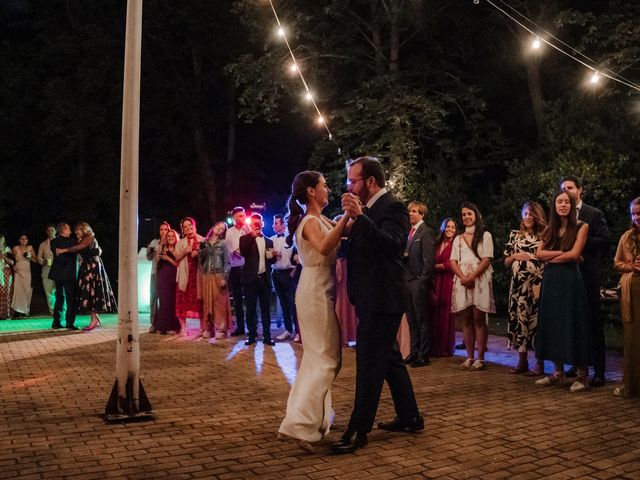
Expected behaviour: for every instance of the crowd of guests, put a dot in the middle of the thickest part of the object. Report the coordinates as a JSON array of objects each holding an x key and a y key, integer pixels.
[
  {"x": 554, "y": 259},
  {"x": 73, "y": 276}
]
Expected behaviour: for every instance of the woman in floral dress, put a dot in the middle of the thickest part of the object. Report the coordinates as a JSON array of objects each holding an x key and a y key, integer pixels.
[
  {"x": 6, "y": 278},
  {"x": 526, "y": 281},
  {"x": 94, "y": 294},
  {"x": 188, "y": 305}
]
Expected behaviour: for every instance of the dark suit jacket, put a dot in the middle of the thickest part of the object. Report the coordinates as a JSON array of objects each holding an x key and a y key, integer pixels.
[
  {"x": 598, "y": 238},
  {"x": 375, "y": 249},
  {"x": 249, "y": 250},
  {"x": 64, "y": 267},
  {"x": 420, "y": 255}
]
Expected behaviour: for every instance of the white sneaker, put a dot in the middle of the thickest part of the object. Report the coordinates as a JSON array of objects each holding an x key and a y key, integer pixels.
[
  {"x": 297, "y": 338},
  {"x": 552, "y": 379},
  {"x": 284, "y": 336}
]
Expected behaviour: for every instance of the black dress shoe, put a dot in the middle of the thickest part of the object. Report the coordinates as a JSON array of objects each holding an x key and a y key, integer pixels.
[
  {"x": 268, "y": 341},
  {"x": 237, "y": 333},
  {"x": 571, "y": 373},
  {"x": 409, "y": 425},
  {"x": 461, "y": 346},
  {"x": 597, "y": 381},
  {"x": 56, "y": 326},
  {"x": 350, "y": 442},
  {"x": 420, "y": 363},
  {"x": 71, "y": 327},
  {"x": 250, "y": 341},
  {"x": 410, "y": 358}
]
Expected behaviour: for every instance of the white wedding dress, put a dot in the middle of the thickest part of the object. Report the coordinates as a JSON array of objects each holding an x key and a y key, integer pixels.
[{"x": 309, "y": 410}]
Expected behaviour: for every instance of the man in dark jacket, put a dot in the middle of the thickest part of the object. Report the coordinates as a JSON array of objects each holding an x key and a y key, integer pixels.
[
  {"x": 377, "y": 288},
  {"x": 63, "y": 272}
]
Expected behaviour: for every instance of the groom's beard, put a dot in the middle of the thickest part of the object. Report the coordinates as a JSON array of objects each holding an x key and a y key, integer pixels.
[{"x": 364, "y": 195}]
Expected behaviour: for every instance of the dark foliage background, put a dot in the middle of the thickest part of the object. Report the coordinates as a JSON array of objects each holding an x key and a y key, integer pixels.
[{"x": 446, "y": 93}]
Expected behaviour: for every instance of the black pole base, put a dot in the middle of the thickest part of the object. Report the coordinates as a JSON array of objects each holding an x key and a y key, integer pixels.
[{"x": 125, "y": 409}]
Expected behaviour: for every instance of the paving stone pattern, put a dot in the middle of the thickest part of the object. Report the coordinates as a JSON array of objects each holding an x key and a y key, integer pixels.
[{"x": 218, "y": 405}]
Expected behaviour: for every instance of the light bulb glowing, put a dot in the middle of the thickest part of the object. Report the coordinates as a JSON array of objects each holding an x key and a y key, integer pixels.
[
  {"x": 308, "y": 97},
  {"x": 320, "y": 119},
  {"x": 281, "y": 32},
  {"x": 595, "y": 78},
  {"x": 536, "y": 44},
  {"x": 293, "y": 68}
]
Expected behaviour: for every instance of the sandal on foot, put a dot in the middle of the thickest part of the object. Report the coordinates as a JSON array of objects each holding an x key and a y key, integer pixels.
[
  {"x": 478, "y": 365},
  {"x": 466, "y": 364}
]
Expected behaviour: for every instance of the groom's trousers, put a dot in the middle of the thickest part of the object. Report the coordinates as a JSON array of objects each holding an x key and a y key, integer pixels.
[{"x": 378, "y": 358}]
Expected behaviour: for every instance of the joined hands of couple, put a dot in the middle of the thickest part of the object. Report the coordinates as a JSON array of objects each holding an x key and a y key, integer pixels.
[{"x": 351, "y": 205}]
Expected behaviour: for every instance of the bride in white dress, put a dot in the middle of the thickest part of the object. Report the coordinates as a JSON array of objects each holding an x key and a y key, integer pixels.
[{"x": 317, "y": 239}]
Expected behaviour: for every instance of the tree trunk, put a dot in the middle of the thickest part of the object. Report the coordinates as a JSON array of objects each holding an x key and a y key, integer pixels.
[
  {"x": 376, "y": 38},
  {"x": 394, "y": 36},
  {"x": 202, "y": 148},
  {"x": 532, "y": 65}
]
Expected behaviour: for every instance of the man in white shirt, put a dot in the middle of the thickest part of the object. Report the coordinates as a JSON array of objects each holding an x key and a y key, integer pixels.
[
  {"x": 45, "y": 258},
  {"x": 258, "y": 255},
  {"x": 281, "y": 275},
  {"x": 236, "y": 261}
]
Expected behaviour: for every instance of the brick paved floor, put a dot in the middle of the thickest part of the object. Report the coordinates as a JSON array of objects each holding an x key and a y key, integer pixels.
[{"x": 218, "y": 406}]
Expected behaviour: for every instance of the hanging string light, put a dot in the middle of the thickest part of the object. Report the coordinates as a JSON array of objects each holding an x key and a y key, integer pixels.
[
  {"x": 294, "y": 69},
  {"x": 597, "y": 71}
]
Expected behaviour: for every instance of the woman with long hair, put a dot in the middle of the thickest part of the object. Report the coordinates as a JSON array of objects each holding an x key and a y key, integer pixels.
[
  {"x": 213, "y": 277},
  {"x": 166, "y": 320},
  {"x": 444, "y": 325},
  {"x": 94, "y": 294},
  {"x": 25, "y": 255},
  {"x": 627, "y": 262},
  {"x": 524, "y": 289},
  {"x": 564, "y": 328},
  {"x": 317, "y": 239},
  {"x": 472, "y": 297},
  {"x": 7, "y": 260},
  {"x": 188, "y": 304}
]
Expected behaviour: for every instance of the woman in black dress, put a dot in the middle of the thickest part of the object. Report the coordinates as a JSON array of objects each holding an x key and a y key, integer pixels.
[
  {"x": 94, "y": 294},
  {"x": 166, "y": 318},
  {"x": 564, "y": 330}
]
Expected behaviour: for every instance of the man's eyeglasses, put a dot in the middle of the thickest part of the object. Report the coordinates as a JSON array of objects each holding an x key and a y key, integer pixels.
[{"x": 352, "y": 181}]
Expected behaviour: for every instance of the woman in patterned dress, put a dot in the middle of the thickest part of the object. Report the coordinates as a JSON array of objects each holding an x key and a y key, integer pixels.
[
  {"x": 524, "y": 290},
  {"x": 188, "y": 305},
  {"x": 94, "y": 294},
  {"x": 6, "y": 278}
]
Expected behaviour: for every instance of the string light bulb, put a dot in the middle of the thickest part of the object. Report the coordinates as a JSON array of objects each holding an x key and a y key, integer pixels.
[
  {"x": 281, "y": 32},
  {"x": 595, "y": 78},
  {"x": 293, "y": 68},
  {"x": 536, "y": 44},
  {"x": 308, "y": 97},
  {"x": 321, "y": 120}
]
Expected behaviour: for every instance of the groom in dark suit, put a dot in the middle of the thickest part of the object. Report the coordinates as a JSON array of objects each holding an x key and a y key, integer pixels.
[
  {"x": 377, "y": 288},
  {"x": 258, "y": 254},
  {"x": 594, "y": 250},
  {"x": 63, "y": 272}
]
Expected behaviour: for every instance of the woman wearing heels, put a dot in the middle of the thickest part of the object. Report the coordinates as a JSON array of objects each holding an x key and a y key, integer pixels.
[
  {"x": 564, "y": 329},
  {"x": 94, "y": 294},
  {"x": 524, "y": 290},
  {"x": 25, "y": 255},
  {"x": 472, "y": 297},
  {"x": 7, "y": 260},
  {"x": 317, "y": 239},
  {"x": 627, "y": 262},
  {"x": 188, "y": 305}
]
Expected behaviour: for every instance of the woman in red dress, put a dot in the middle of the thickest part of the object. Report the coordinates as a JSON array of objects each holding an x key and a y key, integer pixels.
[
  {"x": 444, "y": 325},
  {"x": 188, "y": 305}
]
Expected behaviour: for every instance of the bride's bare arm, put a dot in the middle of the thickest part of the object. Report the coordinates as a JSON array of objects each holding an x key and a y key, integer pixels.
[{"x": 323, "y": 244}]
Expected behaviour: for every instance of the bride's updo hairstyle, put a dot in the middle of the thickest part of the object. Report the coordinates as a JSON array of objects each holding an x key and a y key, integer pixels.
[{"x": 298, "y": 198}]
